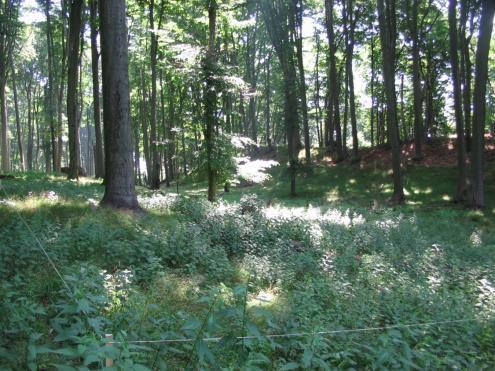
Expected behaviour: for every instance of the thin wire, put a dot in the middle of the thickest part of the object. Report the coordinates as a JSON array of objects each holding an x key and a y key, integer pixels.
[
  {"x": 40, "y": 245},
  {"x": 298, "y": 334}
]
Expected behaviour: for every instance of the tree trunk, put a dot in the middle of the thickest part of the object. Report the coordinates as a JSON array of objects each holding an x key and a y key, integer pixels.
[
  {"x": 154, "y": 177},
  {"x": 18, "y": 123},
  {"x": 479, "y": 108},
  {"x": 99, "y": 160},
  {"x": 351, "y": 15},
  {"x": 276, "y": 18},
  {"x": 416, "y": 80},
  {"x": 334, "y": 85},
  {"x": 75, "y": 25},
  {"x": 5, "y": 127},
  {"x": 460, "y": 195},
  {"x": 51, "y": 105},
  {"x": 119, "y": 179},
  {"x": 466, "y": 69},
  {"x": 298, "y": 15},
  {"x": 388, "y": 34},
  {"x": 211, "y": 100}
]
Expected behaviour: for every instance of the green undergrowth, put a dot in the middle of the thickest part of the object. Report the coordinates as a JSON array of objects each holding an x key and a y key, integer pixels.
[{"x": 255, "y": 263}]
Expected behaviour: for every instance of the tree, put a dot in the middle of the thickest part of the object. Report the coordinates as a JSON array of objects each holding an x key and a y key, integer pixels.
[
  {"x": 276, "y": 15},
  {"x": 477, "y": 199},
  {"x": 99, "y": 160},
  {"x": 119, "y": 178},
  {"x": 210, "y": 96},
  {"x": 416, "y": 79},
  {"x": 75, "y": 25},
  {"x": 460, "y": 195},
  {"x": 297, "y": 8},
  {"x": 9, "y": 11},
  {"x": 333, "y": 86},
  {"x": 388, "y": 35}
]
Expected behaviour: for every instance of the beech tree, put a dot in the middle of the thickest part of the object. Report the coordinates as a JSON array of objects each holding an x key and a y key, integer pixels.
[{"x": 119, "y": 177}]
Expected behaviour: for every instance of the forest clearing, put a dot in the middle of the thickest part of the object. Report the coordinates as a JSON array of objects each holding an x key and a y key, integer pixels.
[{"x": 247, "y": 184}]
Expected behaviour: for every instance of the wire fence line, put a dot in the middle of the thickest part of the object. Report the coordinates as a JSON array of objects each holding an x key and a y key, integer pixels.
[{"x": 299, "y": 334}]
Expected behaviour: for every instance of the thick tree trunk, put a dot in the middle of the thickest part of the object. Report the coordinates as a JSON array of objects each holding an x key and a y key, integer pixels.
[
  {"x": 479, "y": 109},
  {"x": 119, "y": 178},
  {"x": 460, "y": 195},
  {"x": 75, "y": 25},
  {"x": 388, "y": 34},
  {"x": 99, "y": 160}
]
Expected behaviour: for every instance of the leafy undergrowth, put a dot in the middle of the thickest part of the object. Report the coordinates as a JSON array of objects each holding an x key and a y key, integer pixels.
[{"x": 190, "y": 270}]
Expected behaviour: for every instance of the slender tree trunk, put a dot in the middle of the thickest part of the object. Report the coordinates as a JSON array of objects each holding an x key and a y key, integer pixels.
[
  {"x": 317, "y": 92},
  {"x": 416, "y": 80},
  {"x": 75, "y": 26},
  {"x": 154, "y": 177},
  {"x": 29, "y": 152},
  {"x": 298, "y": 14},
  {"x": 51, "y": 104},
  {"x": 5, "y": 127},
  {"x": 372, "y": 87},
  {"x": 466, "y": 71},
  {"x": 351, "y": 15},
  {"x": 460, "y": 195},
  {"x": 268, "y": 95},
  {"x": 479, "y": 103},
  {"x": 211, "y": 100},
  {"x": 334, "y": 85},
  {"x": 99, "y": 160},
  {"x": 18, "y": 123},
  {"x": 388, "y": 34},
  {"x": 119, "y": 179},
  {"x": 61, "y": 87}
]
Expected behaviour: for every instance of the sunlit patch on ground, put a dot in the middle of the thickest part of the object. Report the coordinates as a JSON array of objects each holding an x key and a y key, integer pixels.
[
  {"x": 254, "y": 171},
  {"x": 264, "y": 297},
  {"x": 314, "y": 214}
]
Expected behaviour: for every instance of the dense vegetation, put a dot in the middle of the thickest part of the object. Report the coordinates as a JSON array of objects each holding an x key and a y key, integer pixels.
[
  {"x": 187, "y": 269},
  {"x": 260, "y": 184}
]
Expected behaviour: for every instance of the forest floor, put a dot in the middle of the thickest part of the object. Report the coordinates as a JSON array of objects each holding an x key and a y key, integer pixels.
[{"x": 258, "y": 263}]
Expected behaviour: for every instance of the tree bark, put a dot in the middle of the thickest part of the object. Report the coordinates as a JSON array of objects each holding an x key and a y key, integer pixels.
[
  {"x": 333, "y": 110},
  {"x": 460, "y": 195},
  {"x": 119, "y": 179},
  {"x": 479, "y": 109},
  {"x": 75, "y": 25},
  {"x": 298, "y": 15},
  {"x": 211, "y": 100},
  {"x": 99, "y": 160},
  {"x": 51, "y": 105},
  {"x": 18, "y": 123},
  {"x": 416, "y": 80},
  {"x": 388, "y": 34},
  {"x": 154, "y": 177}
]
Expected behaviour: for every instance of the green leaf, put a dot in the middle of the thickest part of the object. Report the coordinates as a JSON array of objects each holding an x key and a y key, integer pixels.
[
  {"x": 191, "y": 324},
  {"x": 290, "y": 366}
]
